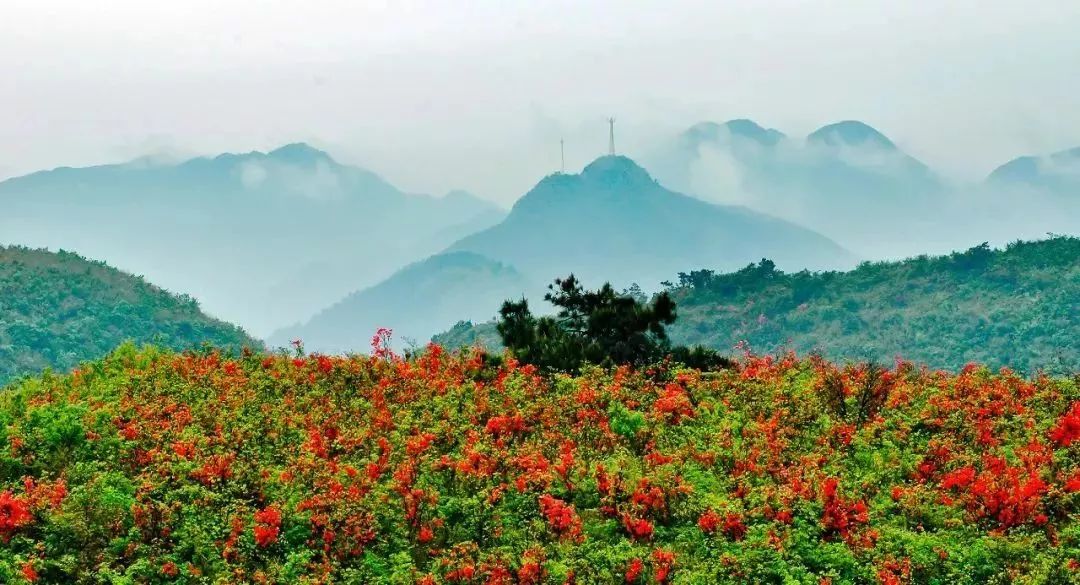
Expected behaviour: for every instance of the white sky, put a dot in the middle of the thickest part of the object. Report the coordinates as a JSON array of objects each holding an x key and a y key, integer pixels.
[{"x": 475, "y": 94}]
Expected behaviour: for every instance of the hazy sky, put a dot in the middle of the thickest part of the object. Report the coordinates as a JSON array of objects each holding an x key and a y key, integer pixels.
[{"x": 475, "y": 94}]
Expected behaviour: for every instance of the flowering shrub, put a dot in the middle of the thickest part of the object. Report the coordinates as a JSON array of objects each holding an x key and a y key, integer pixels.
[{"x": 156, "y": 467}]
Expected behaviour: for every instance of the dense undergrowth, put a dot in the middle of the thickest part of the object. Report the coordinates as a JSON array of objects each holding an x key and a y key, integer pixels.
[{"x": 157, "y": 467}]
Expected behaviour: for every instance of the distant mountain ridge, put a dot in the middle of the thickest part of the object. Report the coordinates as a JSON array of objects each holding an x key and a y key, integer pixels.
[
  {"x": 615, "y": 222},
  {"x": 850, "y": 133},
  {"x": 612, "y": 221},
  {"x": 1058, "y": 172},
  {"x": 416, "y": 302},
  {"x": 833, "y": 181},
  {"x": 60, "y": 309},
  {"x": 241, "y": 231}
]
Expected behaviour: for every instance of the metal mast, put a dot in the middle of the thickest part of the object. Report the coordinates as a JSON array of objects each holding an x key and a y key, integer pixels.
[
  {"x": 611, "y": 136},
  {"x": 562, "y": 156}
]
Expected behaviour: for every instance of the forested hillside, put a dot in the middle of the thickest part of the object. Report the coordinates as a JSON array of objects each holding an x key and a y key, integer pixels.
[
  {"x": 1016, "y": 307},
  {"x": 59, "y": 309}
]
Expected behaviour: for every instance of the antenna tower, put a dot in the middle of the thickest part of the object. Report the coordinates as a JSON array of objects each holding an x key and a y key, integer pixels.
[
  {"x": 611, "y": 136},
  {"x": 562, "y": 156}
]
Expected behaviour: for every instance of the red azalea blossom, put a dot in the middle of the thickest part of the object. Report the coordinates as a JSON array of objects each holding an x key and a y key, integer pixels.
[
  {"x": 267, "y": 526},
  {"x": 664, "y": 564},
  {"x": 638, "y": 528},
  {"x": 709, "y": 522},
  {"x": 14, "y": 514},
  {"x": 1067, "y": 428},
  {"x": 561, "y": 517},
  {"x": 28, "y": 572},
  {"x": 634, "y": 571}
]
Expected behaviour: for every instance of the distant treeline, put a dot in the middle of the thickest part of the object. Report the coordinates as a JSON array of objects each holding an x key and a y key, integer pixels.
[{"x": 1017, "y": 307}]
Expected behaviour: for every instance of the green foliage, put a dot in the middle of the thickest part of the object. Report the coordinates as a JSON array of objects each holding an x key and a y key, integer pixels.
[
  {"x": 592, "y": 327},
  {"x": 1015, "y": 307},
  {"x": 152, "y": 467},
  {"x": 59, "y": 309}
]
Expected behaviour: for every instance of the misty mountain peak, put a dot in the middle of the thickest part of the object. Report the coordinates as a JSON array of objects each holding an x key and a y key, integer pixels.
[
  {"x": 616, "y": 170},
  {"x": 850, "y": 133},
  {"x": 752, "y": 130},
  {"x": 1059, "y": 170},
  {"x": 299, "y": 153},
  {"x": 742, "y": 128}
]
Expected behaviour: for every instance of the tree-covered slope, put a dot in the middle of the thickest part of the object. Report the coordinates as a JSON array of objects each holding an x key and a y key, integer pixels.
[
  {"x": 1017, "y": 307},
  {"x": 59, "y": 309},
  {"x": 152, "y": 468}
]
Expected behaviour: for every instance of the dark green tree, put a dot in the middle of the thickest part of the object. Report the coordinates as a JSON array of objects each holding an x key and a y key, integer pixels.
[{"x": 601, "y": 327}]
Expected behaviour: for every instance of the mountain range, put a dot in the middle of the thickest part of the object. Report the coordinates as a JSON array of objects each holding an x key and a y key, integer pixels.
[
  {"x": 291, "y": 243},
  {"x": 850, "y": 182},
  {"x": 262, "y": 239},
  {"x": 611, "y": 222}
]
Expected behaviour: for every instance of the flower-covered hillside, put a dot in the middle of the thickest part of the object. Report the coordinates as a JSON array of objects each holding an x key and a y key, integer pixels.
[{"x": 157, "y": 467}]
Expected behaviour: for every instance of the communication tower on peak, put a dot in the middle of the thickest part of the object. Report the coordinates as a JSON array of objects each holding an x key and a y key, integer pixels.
[{"x": 611, "y": 136}]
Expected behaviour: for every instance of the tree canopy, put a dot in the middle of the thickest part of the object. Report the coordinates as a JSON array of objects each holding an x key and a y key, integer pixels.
[{"x": 594, "y": 326}]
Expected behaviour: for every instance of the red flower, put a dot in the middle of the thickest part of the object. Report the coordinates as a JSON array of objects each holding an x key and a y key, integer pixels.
[
  {"x": 506, "y": 425},
  {"x": 1067, "y": 429},
  {"x": 709, "y": 522},
  {"x": 1073, "y": 483},
  {"x": 267, "y": 526},
  {"x": 426, "y": 535},
  {"x": 460, "y": 575},
  {"x": 840, "y": 516},
  {"x": 734, "y": 527},
  {"x": 28, "y": 572},
  {"x": 562, "y": 518},
  {"x": 673, "y": 404},
  {"x": 958, "y": 478},
  {"x": 633, "y": 572},
  {"x": 664, "y": 562},
  {"x": 14, "y": 514},
  {"x": 638, "y": 528}
]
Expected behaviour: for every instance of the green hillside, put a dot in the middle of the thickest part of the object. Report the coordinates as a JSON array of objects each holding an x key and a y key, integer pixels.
[
  {"x": 1017, "y": 307},
  {"x": 59, "y": 309}
]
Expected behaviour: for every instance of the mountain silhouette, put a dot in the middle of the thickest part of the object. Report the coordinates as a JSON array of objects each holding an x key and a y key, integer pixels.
[
  {"x": 240, "y": 231},
  {"x": 834, "y": 181},
  {"x": 416, "y": 302},
  {"x": 1058, "y": 173},
  {"x": 615, "y": 222}
]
